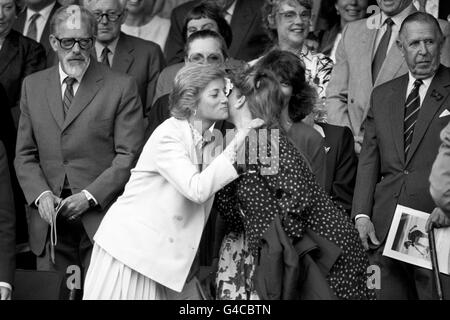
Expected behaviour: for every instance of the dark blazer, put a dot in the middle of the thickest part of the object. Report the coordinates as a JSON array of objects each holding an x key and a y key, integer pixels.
[
  {"x": 341, "y": 164},
  {"x": 7, "y": 222},
  {"x": 311, "y": 146},
  {"x": 249, "y": 37},
  {"x": 8, "y": 131},
  {"x": 95, "y": 146},
  {"x": 143, "y": 60},
  {"x": 444, "y": 9},
  {"x": 327, "y": 39},
  {"x": 19, "y": 25},
  {"x": 385, "y": 178},
  {"x": 19, "y": 57}
]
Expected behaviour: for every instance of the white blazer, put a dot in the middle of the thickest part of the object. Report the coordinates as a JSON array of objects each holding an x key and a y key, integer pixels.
[{"x": 156, "y": 225}]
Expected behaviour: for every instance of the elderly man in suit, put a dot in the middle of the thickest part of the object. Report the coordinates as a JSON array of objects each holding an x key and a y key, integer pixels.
[
  {"x": 34, "y": 22},
  {"x": 141, "y": 59},
  {"x": 440, "y": 180},
  {"x": 244, "y": 17},
  {"x": 365, "y": 58},
  {"x": 80, "y": 131},
  {"x": 7, "y": 229},
  {"x": 401, "y": 142}
]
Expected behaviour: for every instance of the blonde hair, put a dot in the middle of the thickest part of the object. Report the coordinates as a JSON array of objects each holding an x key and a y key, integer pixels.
[{"x": 189, "y": 82}]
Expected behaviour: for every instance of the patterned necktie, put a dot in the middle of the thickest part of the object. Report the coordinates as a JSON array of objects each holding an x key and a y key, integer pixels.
[
  {"x": 32, "y": 28},
  {"x": 68, "y": 94},
  {"x": 382, "y": 49},
  {"x": 412, "y": 108},
  {"x": 104, "y": 56}
]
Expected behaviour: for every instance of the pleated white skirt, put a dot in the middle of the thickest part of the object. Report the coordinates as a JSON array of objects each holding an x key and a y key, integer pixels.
[{"x": 109, "y": 279}]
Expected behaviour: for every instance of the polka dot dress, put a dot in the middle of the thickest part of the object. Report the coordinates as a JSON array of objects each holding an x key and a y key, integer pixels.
[{"x": 280, "y": 183}]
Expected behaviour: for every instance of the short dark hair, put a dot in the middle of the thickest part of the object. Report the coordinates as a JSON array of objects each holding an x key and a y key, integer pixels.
[
  {"x": 203, "y": 34},
  {"x": 422, "y": 17},
  {"x": 213, "y": 12},
  {"x": 289, "y": 69}
]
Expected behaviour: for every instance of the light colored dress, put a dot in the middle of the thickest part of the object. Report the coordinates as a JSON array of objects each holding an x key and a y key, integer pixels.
[{"x": 156, "y": 30}]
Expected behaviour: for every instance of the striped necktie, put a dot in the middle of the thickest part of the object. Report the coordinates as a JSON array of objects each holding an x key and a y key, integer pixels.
[
  {"x": 68, "y": 94},
  {"x": 412, "y": 108}
]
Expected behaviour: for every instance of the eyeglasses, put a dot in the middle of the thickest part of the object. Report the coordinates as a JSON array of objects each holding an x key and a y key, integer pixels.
[
  {"x": 112, "y": 17},
  {"x": 291, "y": 15},
  {"x": 68, "y": 43},
  {"x": 213, "y": 58}
]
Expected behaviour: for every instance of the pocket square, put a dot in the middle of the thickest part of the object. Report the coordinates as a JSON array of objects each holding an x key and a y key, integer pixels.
[{"x": 444, "y": 113}]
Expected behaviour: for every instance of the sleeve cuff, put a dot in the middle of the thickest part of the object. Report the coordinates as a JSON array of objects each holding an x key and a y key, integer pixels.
[
  {"x": 361, "y": 216},
  {"x": 89, "y": 196},
  {"x": 6, "y": 285},
  {"x": 36, "y": 202}
]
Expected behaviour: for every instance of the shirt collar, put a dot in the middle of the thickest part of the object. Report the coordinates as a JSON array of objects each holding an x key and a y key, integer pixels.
[
  {"x": 399, "y": 17},
  {"x": 199, "y": 140},
  {"x": 112, "y": 47},
  {"x": 426, "y": 82},
  {"x": 230, "y": 10},
  {"x": 45, "y": 13},
  {"x": 63, "y": 75}
]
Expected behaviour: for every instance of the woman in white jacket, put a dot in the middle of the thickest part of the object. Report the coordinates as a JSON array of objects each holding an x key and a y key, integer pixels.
[{"x": 147, "y": 241}]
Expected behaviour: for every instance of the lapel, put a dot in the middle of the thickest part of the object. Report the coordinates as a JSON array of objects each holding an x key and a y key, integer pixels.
[
  {"x": 89, "y": 86},
  {"x": 20, "y": 21},
  {"x": 396, "y": 114},
  {"x": 9, "y": 50},
  {"x": 123, "y": 57},
  {"x": 368, "y": 38},
  {"x": 54, "y": 97},
  {"x": 241, "y": 21},
  {"x": 391, "y": 66},
  {"x": 436, "y": 95}
]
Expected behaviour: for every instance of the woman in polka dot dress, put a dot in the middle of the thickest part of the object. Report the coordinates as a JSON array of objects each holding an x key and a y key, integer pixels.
[{"x": 276, "y": 181}]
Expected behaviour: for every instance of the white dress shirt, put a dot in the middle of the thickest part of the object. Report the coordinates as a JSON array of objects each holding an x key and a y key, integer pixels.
[
  {"x": 112, "y": 50},
  {"x": 422, "y": 93},
  {"x": 40, "y": 21},
  {"x": 230, "y": 11},
  {"x": 156, "y": 30},
  {"x": 398, "y": 20},
  {"x": 76, "y": 85}
]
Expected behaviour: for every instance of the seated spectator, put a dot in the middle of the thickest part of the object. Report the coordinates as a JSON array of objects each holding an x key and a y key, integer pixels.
[
  {"x": 7, "y": 229},
  {"x": 348, "y": 11},
  {"x": 141, "y": 22},
  {"x": 141, "y": 59},
  {"x": 288, "y": 23},
  {"x": 244, "y": 18},
  {"x": 200, "y": 17}
]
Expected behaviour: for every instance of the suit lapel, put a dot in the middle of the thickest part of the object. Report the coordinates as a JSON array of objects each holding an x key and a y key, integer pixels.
[
  {"x": 9, "y": 51},
  {"x": 435, "y": 97},
  {"x": 369, "y": 42},
  {"x": 397, "y": 100},
  {"x": 123, "y": 57},
  {"x": 89, "y": 86},
  {"x": 242, "y": 19},
  {"x": 391, "y": 66},
  {"x": 54, "y": 97}
]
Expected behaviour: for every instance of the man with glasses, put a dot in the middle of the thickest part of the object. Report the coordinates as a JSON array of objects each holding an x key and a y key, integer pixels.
[
  {"x": 80, "y": 132},
  {"x": 141, "y": 59}
]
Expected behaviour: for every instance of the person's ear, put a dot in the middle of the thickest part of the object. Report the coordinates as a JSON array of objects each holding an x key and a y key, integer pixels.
[
  {"x": 53, "y": 42},
  {"x": 272, "y": 22},
  {"x": 399, "y": 44},
  {"x": 240, "y": 102}
]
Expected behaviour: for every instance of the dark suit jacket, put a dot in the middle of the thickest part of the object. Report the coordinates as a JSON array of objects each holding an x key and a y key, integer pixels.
[
  {"x": 311, "y": 146},
  {"x": 249, "y": 37},
  {"x": 19, "y": 25},
  {"x": 95, "y": 146},
  {"x": 444, "y": 9},
  {"x": 327, "y": 39},
  {"x": 7, "y": 222},
  {"x": 143, "y": 60},
  {"x": 7, "y": 130},
  {"x": 341, "y": 164},
  {"x": 19, "y": 57},
  {"x": 385, "y": 178}
]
